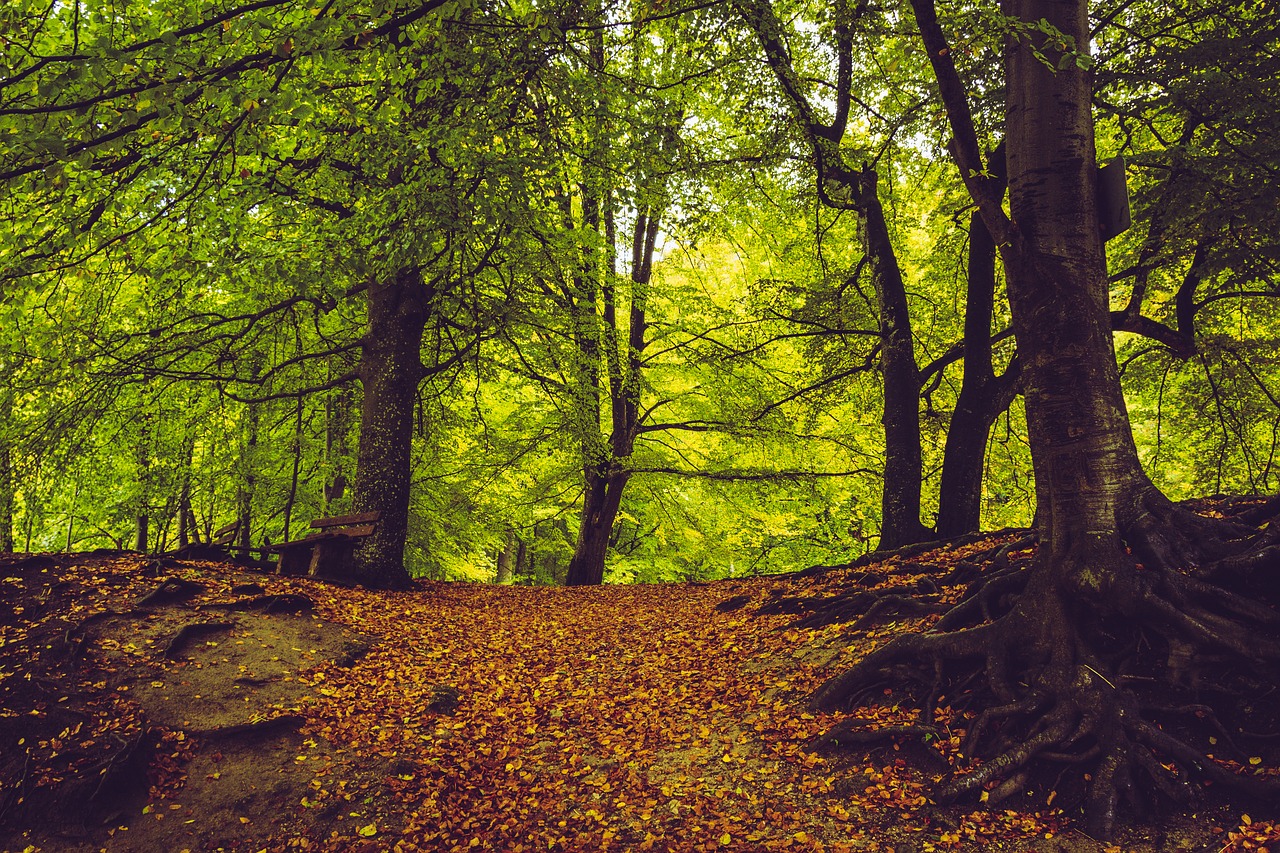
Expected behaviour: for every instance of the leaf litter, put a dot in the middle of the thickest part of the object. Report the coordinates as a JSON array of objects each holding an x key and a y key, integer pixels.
[{"x": 464, "y": 717}]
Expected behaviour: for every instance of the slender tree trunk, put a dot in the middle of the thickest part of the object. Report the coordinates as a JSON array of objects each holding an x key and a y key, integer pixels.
[
  {"x": 71, "y": 514},
  {"x": 983, "y": 395},
  {"x": 186, "y": 518},
  {"x": 142, "y": 456},
  {"x": 296, "y": 451},
  {"x": 900, "y": 498},
  {"x": 337, "y": 450},
  {"x": 248, "y": 475},
  {"x": 507, "y": 558},
  {"x": 605, "y": 475},
  {"x": 6, "y": 498},
  {"x": 390, "y": 369},
  {"x": 184, "y": 514}
]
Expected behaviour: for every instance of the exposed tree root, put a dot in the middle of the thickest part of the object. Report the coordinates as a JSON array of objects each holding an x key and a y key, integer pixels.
[
  {"x": 1133, "y": 677},
  {"x": 269, "y": 727},
  {"x": 169, "y": 591},
  {"x": 907, "y": 552},
  {"x": 190, "y": 633},
  {"x": 862, "y": 607},
  {"x": 288, "y": 602}
]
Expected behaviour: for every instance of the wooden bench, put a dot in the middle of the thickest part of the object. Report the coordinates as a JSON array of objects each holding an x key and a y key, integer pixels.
[
  {"x": 330, "y": 550},
  {"x": 221, "y": 544},
  {"x": 225, "y": 538}
]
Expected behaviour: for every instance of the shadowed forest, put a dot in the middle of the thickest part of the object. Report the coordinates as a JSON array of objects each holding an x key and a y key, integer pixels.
[{"x": 442, "y": 424}]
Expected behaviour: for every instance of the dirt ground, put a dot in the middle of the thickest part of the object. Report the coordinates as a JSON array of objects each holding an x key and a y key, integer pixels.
[{"x": 160, "y": 705}]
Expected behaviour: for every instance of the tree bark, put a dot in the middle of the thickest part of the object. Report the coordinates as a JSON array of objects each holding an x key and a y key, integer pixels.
[
  {"x": 248, "y": 475},
  {"x": 185, "y": 516},
  {"x": 605, "y": 471},
  {"x": 142, "y": 457},
  {"x": 600, "y": 503},
  {"x": 1075, "y": 661},
  {"x": 1058, "y": 292},
  {"x": 296, "y": 452},
  {"x": 390, "y": 369},
  {"x": 507, "y": 558},
  {"x": 843, "y": 187},
  {"x": 6, "y": 497},
  {"x": 336, "y": 447},
  {"x": 983, "y": 395},
  {"x": 900, "y": 498}
]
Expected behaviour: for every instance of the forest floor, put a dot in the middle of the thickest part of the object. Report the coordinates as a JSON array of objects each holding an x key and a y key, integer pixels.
[{"x": 158, "y": 705}]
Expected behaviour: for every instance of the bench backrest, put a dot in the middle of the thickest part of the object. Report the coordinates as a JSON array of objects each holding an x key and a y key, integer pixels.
[
  {"x": 226, "y": 535},
  {"x": 358, "y": 525}
]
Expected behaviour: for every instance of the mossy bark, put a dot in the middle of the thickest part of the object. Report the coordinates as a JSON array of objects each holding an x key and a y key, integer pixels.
[{"x": 390, "y": 370}]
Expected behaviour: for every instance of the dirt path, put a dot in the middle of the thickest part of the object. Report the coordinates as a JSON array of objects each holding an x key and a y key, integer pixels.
[{"x": 459, "y": 717}]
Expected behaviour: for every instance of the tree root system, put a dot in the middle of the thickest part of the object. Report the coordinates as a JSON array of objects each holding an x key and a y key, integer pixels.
[{"x": 1117, "y": 681}]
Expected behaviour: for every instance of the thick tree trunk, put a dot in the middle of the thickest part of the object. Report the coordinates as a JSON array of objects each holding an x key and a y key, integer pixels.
[
  {"x": 900, "y": 499},
  {"x": 1058, "y": 292},
  {"x": 1076, "y": 661},
  {"x": 390, "y": 369}
]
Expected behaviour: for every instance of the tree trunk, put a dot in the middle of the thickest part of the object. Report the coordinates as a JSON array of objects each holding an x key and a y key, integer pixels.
[
  {"x": 185, "y": 517},
  {"x": 141, "y": 532},
  {"x": 1058, "y": 292},
  {"x": 337, "y": 451},
  {"x": 296, "y": 451},
  {"x": 142, "y": 457},
  {"x": 900, "y": 499},
  {"x": 507, "y": 558},
  {"x": 6, "y": 497},
  {"x": 390, "y": 369},
  {"x": 983, "y": 395},
  {"x": 523, "y": 561},
  {"x": 602, "y": 498},
  {"x": 248, "y": 475},
  {"x": 605, "y": 473}
]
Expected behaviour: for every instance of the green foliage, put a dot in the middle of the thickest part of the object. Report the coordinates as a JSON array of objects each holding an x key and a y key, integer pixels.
[{"x": 198, "y": 194}]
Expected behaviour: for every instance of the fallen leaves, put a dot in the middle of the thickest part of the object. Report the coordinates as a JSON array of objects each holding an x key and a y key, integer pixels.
[{"x": 518, "y": 719}]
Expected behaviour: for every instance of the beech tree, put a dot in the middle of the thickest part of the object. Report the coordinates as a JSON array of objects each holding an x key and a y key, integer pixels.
[{"x": 1125, "y": 582}]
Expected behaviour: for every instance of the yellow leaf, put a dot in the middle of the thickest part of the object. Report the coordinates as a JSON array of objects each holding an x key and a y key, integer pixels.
[
  {"x": 726, "y": 838},
  {"x": 1255, "y": 761},
  {"x": 367, "y": 831}
]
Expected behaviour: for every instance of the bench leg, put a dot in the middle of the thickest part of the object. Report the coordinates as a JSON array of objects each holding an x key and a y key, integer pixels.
[
  {"x": 293, "y": 561},
  {"x": 332, "y": 559}
]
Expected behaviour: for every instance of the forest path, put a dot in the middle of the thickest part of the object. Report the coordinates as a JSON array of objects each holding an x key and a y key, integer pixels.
[{"x": 475, "y": 717}]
